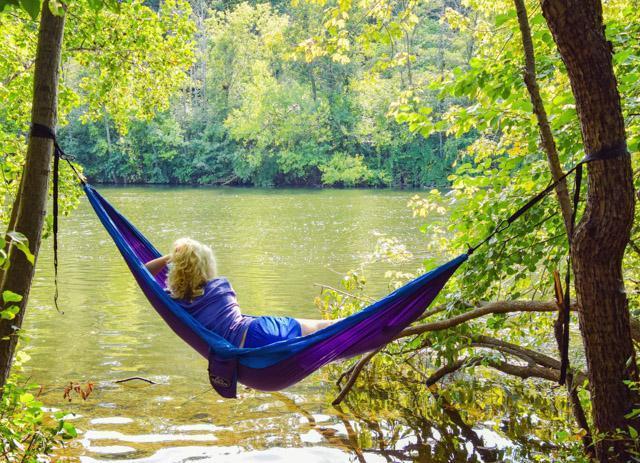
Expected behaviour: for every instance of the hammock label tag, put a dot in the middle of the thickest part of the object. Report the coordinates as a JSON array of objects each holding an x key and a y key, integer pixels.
[{"x": 223, "y": 375}]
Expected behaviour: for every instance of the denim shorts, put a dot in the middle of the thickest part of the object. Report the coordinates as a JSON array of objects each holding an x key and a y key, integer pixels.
[{"x": 267, "y": 330}]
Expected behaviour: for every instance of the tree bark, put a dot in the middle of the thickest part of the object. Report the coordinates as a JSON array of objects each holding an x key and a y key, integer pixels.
[
  {"x": 31, "y": 202},
  {"x": 603, "y": 233}
]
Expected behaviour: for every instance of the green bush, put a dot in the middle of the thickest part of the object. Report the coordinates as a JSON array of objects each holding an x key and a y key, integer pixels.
[
  {"x": 28, "y": 434},
  {"x": 351, "y": 171}
]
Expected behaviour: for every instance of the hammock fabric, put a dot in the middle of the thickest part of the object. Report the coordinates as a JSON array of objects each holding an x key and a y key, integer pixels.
[{"x": 281, "y": 364}]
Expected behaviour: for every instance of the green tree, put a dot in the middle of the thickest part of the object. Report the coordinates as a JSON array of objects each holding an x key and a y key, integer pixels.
[{"x": 151, "y": 65}]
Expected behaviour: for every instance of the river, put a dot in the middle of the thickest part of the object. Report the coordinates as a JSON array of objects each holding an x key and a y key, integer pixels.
[{"x": 275, "y": 246}]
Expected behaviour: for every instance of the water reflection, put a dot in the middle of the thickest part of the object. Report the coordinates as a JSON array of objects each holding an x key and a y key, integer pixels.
[{"x": 273, "y": 245}]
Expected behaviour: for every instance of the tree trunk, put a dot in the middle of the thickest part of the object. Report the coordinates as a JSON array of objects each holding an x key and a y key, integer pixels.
[
  {"x": 31, "y": 202},
  {"x": 107, "y": 129},
  {"x": 603, "y": 232}
]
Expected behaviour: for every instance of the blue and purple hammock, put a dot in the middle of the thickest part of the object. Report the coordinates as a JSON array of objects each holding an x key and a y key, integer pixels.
[{"x": 283, "y": 363}]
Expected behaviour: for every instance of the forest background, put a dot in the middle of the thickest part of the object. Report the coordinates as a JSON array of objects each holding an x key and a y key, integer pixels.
[{"x": 259, "y": 110}]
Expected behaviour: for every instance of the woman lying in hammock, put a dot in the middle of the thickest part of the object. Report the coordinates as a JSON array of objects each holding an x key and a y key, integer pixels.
[{"x": 193, "y": 282}]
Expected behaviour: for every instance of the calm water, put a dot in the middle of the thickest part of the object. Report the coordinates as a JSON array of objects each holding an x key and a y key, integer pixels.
[{"x": 273, "y": 245}]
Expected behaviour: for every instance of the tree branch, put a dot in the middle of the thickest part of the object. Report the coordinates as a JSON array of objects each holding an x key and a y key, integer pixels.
[
  {"x": 354, "y": 375},
  {"x": 521, "y": 371},
  {"x": 344, "y": 293},
  {"x": 490, "y": 308},
  {"x": 548, "y": 142}
]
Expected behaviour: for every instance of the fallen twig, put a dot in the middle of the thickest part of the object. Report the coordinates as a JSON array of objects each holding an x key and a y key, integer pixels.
[{"x": 133, "y": 378}]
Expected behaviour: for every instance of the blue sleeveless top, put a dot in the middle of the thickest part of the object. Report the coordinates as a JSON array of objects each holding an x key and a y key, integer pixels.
[{"x": 218, "y": 310}]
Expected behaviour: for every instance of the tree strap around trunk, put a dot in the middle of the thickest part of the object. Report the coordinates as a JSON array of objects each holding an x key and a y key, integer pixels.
[{"x": 42, "y": 131}]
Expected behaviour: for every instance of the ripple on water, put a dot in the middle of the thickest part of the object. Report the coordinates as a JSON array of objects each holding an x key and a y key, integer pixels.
[
  {"x": 237, "y": 455},
  {"x": 201, "y": 427},
  {"x": 112, "y": 420},
  {"x": 93, "y": 435}
]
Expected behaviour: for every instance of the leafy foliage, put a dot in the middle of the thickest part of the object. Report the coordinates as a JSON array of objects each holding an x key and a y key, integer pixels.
[
  {"x": 260, "y": 108},
  {"x": 28, "y": 433},
  {"x": 120, "y": 64}
]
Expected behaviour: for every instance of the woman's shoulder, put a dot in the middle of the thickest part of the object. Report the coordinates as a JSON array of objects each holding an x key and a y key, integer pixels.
[
  {"x": 219, "y": 284},
  {"x": 218, "y": 281}
]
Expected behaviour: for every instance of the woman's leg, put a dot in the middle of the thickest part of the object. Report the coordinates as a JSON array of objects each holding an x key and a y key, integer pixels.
[{"x": 309, "y": 326}]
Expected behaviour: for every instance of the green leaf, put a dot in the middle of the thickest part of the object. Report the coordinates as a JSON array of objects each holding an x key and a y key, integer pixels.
[
  {"x": 10, "y": 296},
  {"x": 69, "y": 430},
  {"x": 502, "y": 18},
  {"x": 31, "y": 6},
  {"x": 10, "y": 312},
  {"x": 621, "y": 56},
  {"x": 22, "y": 243},
  {"x": 56, "y": 8},
  {"x": 562, "y": 436},
  {"x": 95, "y": 4},
  {"x": 5, "y": 3},
  {"x": 26, "y": 398}
]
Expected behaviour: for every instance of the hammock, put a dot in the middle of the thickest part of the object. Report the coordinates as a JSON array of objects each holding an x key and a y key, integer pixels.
[{"x": 281, "y": 364}]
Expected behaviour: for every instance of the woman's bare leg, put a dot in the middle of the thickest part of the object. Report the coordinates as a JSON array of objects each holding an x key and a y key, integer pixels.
[{"x": 310, "y": 326}]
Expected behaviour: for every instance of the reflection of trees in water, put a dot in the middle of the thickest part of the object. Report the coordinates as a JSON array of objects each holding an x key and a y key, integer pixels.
[
  {"x": 422, "y": 426},
  {"x": 442, "y": 437},
  {"x": 434, "y": 435}
]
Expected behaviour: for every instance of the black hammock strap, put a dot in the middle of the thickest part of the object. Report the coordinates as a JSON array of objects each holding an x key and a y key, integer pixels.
[
  {"x": 42, "y": 131},
  {"x": 607, "y": 152},
  {"x": 506, "y": 223},
  {"x": 564, "y": 311}
]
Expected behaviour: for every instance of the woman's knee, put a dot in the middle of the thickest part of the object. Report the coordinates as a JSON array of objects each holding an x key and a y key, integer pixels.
[{"x": 308, "y": 326}]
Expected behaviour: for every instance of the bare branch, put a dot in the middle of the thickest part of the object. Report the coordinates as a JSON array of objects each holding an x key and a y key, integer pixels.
[
  {"x": 354, "y": 375},
  {"x": 525, "y": 354},
  {"x": 450, "y": 368},
  {"x": 344, "y": 293},
  {"x": 490, "y": 308},
  {"x": 432, "y": 311},
  {"x": 133, "y": 378},
  {"x": 548, "y": 142},
  {"x": 524, "y": 372}
]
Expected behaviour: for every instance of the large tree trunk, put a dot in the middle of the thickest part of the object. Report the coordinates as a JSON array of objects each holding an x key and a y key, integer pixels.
[
  {"x": 603, "y": 232},
  {"x": 32, "y": 199}
]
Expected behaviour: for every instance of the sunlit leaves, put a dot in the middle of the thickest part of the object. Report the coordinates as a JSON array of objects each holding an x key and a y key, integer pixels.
[
  {"x": 20, "y": 241},
  {"x": 134, "y": 61},
  {"x": 497, "y": 173},
  {"x": 346, "y": 170}
]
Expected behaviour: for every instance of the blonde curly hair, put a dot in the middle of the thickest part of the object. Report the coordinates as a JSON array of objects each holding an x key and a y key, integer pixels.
[{"x": 192, "y": 265}]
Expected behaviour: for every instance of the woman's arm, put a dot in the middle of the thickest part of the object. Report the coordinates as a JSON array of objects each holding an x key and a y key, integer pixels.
[{"x": 156, "y": 265}]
